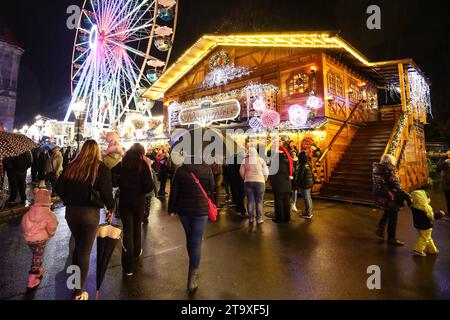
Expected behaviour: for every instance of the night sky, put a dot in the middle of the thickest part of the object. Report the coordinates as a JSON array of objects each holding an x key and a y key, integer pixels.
[{"x": 410, "y": 29}]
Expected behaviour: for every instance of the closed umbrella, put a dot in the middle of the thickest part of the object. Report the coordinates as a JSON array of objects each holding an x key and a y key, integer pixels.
[
  {"x": 108, "y": 236},
  {"x": 13, "y": 145}
]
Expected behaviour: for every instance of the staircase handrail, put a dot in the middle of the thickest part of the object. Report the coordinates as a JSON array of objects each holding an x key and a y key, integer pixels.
[
  {"x": 391, "y": 137},
  {"x": 336, "y": 137},
  {"x": 398, "y": 133}
]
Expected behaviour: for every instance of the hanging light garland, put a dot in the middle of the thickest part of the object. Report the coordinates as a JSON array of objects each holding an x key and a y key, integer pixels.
[
  {"x": 420, "y": 92},
  {"x": 233, "y": 94},
  {"x": 398, "y": 134}
]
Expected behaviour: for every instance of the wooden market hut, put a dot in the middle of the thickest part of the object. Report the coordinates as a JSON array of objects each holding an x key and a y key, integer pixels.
[{"x": 350, "y": 121}]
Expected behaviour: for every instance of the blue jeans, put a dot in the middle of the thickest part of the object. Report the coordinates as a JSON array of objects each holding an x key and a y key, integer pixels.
[
  {"x": 194, "y": 228},
  {"x": 255, "y": 196},
  {"x": 306, "y": 194}
]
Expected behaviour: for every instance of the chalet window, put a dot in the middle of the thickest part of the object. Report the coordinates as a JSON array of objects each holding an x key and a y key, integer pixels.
[
  {"x": 355, "y": 92},
  {"x": 298, "y": 83},
  {"x": 335, "y": 83}
]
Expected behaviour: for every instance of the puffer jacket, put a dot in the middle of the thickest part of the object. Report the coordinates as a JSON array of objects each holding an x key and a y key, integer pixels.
[
  {"x": 39, "y": 224},
  {"x": 387, "y": 191},
  {"x": 186, "y": 198},
  {"x": 444, "y": 166},
  {"x": 305, "y": 176},
  {"x": 423, "y": 213}
]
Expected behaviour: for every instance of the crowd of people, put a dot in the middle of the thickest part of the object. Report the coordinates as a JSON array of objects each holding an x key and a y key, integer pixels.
[{"x": 87, "y": 184}]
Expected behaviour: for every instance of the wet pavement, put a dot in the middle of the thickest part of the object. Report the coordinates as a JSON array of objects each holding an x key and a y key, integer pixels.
[{"x": 326, "y": 258}]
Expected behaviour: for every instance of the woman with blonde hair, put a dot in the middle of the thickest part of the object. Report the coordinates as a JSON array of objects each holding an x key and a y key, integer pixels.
[{"x": 85, "y": 186}]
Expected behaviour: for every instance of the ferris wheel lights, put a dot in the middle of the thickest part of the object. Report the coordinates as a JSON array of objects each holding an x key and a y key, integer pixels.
[
  {"x": 78, "y": 108},
  {"x": 113, "y": 58},
  {"x": 93, "y": 37}
]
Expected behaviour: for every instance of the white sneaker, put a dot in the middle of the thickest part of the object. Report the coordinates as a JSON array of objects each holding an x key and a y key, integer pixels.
[{"x": 294, "y": 208}]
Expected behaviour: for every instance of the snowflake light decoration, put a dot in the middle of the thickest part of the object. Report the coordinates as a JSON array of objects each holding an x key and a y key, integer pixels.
[
  {"x": 222, "y": 75},
  {"x": 420, "y": 92}
]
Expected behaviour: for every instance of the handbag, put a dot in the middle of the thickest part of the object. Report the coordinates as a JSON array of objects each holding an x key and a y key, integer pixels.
[
  {"x": 213, "y": 211},
  {"x": 95, "y": 199}
]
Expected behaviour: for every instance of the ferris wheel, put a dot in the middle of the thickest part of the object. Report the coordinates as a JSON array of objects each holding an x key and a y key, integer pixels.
[{"x": 121, "y": 48}]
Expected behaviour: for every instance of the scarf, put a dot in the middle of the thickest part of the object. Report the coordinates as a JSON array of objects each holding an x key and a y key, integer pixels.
[{"x": 291, "y": 163}]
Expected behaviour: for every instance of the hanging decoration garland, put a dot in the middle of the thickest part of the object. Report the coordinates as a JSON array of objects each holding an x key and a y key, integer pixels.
[
  {"x": 420, "y": 92},
  {"x": 233, "y": 94},
  {"x": 398, "y": 134}
]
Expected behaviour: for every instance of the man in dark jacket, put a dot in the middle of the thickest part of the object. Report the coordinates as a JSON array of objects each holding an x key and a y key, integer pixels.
[
  {"x": 34, "y": 166},
  {"x": 41, "y": 165},
  {"x": 388, "y": 194},
  {"x": 17, "y": 168},
  {"x": 237, "y": 187},
  {"x": 281, "y": 183},
  {"x": 305, "y": 182}
]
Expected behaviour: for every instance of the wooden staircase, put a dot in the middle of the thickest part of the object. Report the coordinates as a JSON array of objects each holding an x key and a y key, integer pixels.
[{"x": 351, "y": 180}]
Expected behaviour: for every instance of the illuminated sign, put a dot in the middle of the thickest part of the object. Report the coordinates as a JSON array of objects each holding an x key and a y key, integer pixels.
[{"x": 208, "y": 113}]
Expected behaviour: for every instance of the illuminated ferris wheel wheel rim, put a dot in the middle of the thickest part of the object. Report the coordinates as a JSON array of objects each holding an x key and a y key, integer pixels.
[{"x": 132, "y": 44}]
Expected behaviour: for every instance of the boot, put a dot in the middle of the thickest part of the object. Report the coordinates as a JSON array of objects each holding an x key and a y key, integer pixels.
[
  {"x": 193, "y": 280},
  {"x": 33, "y": 281}
]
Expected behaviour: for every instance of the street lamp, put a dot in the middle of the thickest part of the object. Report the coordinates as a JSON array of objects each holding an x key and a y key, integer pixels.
[{"x": 78, "y": 109}]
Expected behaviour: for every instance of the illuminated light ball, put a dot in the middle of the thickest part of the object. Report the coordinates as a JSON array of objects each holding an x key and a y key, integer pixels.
[
  {"x": 255, "y": 123},
  {"x": 259, "y": 105},
  {"x": 298, "y": 115},
  {"x": 163, "y": 44},
  {"x": 270, "y": 119},
  {"x": 165, "y": 14},
  {"x": 313, "y": 102},
  {"x": 152, "y": 76}
]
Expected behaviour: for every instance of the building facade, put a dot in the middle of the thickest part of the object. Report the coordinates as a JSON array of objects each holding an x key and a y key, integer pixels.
[
  {"x": 10, "y": 56},
  {"x": 319, "y": 89}
]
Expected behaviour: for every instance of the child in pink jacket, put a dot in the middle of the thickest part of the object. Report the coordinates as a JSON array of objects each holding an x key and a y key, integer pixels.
[{"x": 39, "y": 225}]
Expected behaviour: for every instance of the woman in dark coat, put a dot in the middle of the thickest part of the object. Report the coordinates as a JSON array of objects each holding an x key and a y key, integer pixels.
[
  {"x": 388, "y": 194},
  {"x": 305, "y": 182},
  {"x": 188, "y": 202},
  {"x": 281, "y": 183},
  {"x": 134, "y": 181},
  {"x": 74, "y": 186}
]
